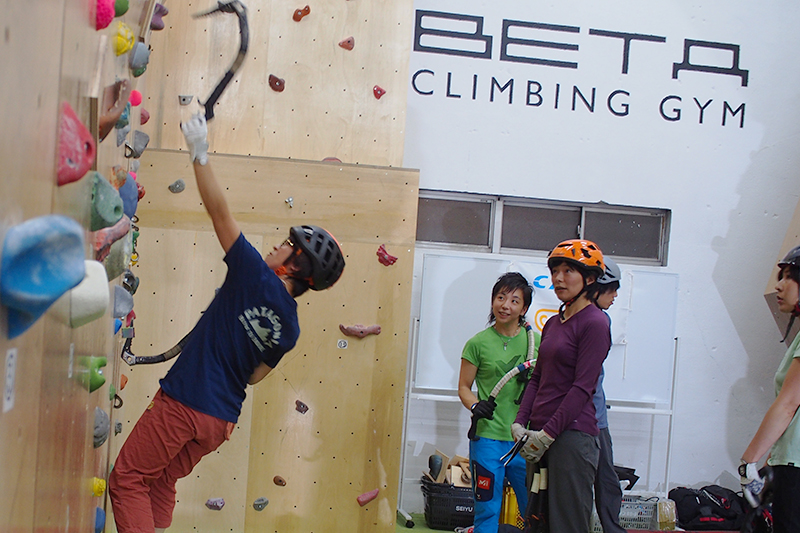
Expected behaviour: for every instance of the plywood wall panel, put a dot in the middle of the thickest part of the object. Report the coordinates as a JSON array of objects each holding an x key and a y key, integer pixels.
[{"x": 327, "y": 108}]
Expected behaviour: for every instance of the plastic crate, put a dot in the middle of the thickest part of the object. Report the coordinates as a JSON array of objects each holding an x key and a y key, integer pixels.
[
  {"x": 447, "y": 506},
  {"x": 635, "y": 512}
]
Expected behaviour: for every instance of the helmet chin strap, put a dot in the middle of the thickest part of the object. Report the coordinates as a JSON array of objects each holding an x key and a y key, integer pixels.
[{"x": 564, "y": 305}]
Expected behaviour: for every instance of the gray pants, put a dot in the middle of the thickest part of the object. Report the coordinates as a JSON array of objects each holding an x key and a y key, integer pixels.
[
  {"x": 607, "y": 493},
  {"x": 572, "y": 463}
]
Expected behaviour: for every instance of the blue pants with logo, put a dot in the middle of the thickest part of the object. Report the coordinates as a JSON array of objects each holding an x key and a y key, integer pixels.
[{"x": 488, "y": 474}]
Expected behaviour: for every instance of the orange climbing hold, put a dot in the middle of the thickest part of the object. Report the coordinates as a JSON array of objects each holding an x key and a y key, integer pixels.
[
  {"x": 300, "y": 13},
  {"x": 348, "y": 43},
  {"x": 278, "y": 480},
  {"x": 359, "y": 330},
  {"x": 277, "y": 84},
  {"x": 378, "y": 91}
]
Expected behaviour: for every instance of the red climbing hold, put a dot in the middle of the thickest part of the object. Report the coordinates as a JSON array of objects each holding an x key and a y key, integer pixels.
[
  {"x": 378, "y": 91},
  {"x": 300, "y": 13},
  {"x": 300, "y": 407},
  {"x": 76, "y": 147},
  {"x": 144, "y": 116},
  {"x": 277, "y": 84},
  {"x": 367, "y": 497},
  {"x": 348, "y": 43},
  {"x": 384, "y": 257},
  {"x": 278, "y": 480},
  {"x": 331, "y": 160}
]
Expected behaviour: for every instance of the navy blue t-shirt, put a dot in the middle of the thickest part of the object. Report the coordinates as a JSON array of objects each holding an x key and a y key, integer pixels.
[{"x": 251, "y": 320}]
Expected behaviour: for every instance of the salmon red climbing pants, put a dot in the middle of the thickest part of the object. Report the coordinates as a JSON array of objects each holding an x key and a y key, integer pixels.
[{"x": 166, "y": 443}]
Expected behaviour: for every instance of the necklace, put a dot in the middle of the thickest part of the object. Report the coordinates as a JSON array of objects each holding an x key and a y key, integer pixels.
[{"x": 505, "y": 338}]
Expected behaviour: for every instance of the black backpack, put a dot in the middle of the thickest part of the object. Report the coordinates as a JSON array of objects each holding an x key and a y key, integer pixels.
[{"x": 709, "y": 508}]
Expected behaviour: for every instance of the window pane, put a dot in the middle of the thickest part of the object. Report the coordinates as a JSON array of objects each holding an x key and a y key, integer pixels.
[
  {"x": 538, "y": 228},
  {"x": 623, "y": 234},
  {"x": 453, "y": 221}
]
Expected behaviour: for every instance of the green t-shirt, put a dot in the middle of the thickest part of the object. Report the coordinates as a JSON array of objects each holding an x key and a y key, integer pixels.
[
  {"x": 494, "y": 355},
  {"x": 787, "y": 448}
]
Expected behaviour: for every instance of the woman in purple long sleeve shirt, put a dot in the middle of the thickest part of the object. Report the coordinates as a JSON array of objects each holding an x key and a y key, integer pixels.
[{"x": 557, "y": 407}]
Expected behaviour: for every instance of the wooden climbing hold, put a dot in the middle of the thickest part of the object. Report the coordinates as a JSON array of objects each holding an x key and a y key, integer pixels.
[
  {"x": 300, "y": 13},
  {"x": 76, "y": 147},
  {"x": 276, "y": 84},
  {"x": 367, "y": 497},
  {"x": 378, "y": 91},
  {"x": 278, "y": 480},
  {"x": 385, "y": 257},
  {"x": 348, "y": 43}
]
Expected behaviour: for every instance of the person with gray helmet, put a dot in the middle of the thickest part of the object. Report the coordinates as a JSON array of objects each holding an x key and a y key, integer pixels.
[
  {"x": 779, "y": 432},
  {"x": 249, "y": 326},
  {"x": 607, "y": 492}
]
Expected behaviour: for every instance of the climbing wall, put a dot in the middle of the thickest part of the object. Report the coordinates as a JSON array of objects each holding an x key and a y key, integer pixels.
[
  {"x": 342, "y": 439},
  {"x": 327, "y": 107}
]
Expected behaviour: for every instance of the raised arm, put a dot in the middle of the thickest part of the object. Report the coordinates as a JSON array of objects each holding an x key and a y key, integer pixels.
[{"x": 225, "y": 226}]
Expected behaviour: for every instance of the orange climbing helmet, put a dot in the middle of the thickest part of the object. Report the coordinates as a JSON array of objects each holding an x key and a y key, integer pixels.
[{"x": 585, "y": 254}]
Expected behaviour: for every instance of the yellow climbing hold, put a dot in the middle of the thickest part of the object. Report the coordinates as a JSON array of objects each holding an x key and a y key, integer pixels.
[{"x": 123, "y": 41}]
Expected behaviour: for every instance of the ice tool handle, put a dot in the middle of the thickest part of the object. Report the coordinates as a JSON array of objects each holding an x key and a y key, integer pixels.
[{"x": 239, "y": 9}]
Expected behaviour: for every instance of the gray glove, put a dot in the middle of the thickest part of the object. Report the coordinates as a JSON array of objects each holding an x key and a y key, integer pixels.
[
  {"x": 196, "y": 133},
  {"x": 538, "y": 443},
  {"x": 752, "y": 483},
  {"x": 517, "y": 431}
]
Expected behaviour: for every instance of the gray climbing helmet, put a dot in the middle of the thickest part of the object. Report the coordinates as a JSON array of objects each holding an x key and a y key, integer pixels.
[
  {"x": 792, "y": 258},
  {"x": 612, "y": 272}
]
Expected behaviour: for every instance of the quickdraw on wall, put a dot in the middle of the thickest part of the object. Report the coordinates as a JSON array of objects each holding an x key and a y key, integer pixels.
[{"x": 239, "y": 9}]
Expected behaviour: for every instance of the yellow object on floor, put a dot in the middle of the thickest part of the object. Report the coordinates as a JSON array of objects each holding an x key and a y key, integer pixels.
[{"x": 509, "y": 510}]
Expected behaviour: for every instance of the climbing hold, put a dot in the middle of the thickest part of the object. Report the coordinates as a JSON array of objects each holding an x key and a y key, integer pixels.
[
  {"x": 88, "y": 301},
  {"x": 144, "y": 116},
  {"x": 290, "y": 202},
  {"x": 118, "y": 177},
  {"x": 185, "y": 99},
  {"x": 140, "y": 140},
  {"x": 107, "y": 205},
  {"x": 90, "y": 371},
  {"x": 102, "y": 425},
  {"x": 138, "y": 71},
  {"x": 140, "y": 192},
  {"x": 278, "y": 480},
  {"x": 124, "y": 118},
  {"x": 215, "y": 504},
  {"x": 42, "y": 259},
  {"x": 123, "y": 302},
  {"x": 129, "y": 318},
  {"x": 300, "y": 407},
  {"x": 378, "y": 91},
  {"x": 360, "y": 331},
  {"x": 129, "y": 192},
  {"x": 122, "y": 133},
  {"x": 130, "y": 282},
  {"x": 120, "y": 7},
  {"x": 104, "y": 238},
  {"x": 348, "y": 43},
  {"x": 384, "y": 257},
  {"x": 435, "y": 465},
  {"x": 140, "y": 57},
  {"x": 134, "y": 166},
  {"x": 123, "y": 40},
  {"x": 76, "y": 147},
  {"x": 367, "y": 497},
  {"x": 114, "y": 104},
  {"x": 177, "y": 186},
  {"x": 276, "y": 84},
  {"x": 331, "y": 160},
  {"x": 117, "y": 428},
  {"x": 135, "y": 98},
  {"x": 300, "y": 13},
  {"x": 120, "y": 257},
  {"x": 105, "y": 14},
  {"x": 123, "y": 380},
  {"x": 157, "y": 22},
  {"x": 99, "y": 520},
  {"x": 260, "y": 503},
  {"x": 98, "y": 486}
]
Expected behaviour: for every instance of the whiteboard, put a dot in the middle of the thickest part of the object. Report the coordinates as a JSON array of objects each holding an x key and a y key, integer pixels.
[{"x": 455, "y": 301}]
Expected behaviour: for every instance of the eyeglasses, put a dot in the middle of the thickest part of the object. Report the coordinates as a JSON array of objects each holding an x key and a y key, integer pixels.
[{"x": 289, "y": 242}]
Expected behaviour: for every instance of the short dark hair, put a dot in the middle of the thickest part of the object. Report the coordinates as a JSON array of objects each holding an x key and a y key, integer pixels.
[
  {"x": 595, "y": 290},
  {"x": 794, "y": 272},
  {"x": 301, "y": 279},
  {"x": 509, "y": 282}
]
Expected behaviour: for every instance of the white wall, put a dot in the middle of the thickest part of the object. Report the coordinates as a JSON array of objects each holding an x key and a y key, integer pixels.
[{"x": 732, "y": 190}]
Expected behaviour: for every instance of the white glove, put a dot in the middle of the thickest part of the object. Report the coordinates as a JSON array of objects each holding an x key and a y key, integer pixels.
[
  {"x": 517, "y": 431},
  {"x": 752, "y": 483},
  {"x": 196, "y": 133},
  {"x": 538, "y": 443}
]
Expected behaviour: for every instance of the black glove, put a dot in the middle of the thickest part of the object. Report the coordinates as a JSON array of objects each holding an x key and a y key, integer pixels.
[{"x": 484, "y": 409}]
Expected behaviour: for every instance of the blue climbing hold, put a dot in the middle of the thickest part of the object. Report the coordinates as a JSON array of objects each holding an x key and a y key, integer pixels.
[
  {"x": 99, "y": 520},
  {"x": 42, "y": 259},
  {"x": 129, "y": 193}
]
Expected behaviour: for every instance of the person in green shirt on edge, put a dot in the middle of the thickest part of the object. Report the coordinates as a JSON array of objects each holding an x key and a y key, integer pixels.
[{"x": 486, "y": 358}]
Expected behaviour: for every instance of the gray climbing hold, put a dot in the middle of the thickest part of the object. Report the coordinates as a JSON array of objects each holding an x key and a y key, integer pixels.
[
  {"x": 101, "y": 427},
  {"x": 178, "y": 186},
  {"x": 117, "y": 428},
  {"x": 122, "y": 133},
  {"x": 123, "y": 302},
  {"x": 260, "y": 503},
  {"x": 215, "y": 504}
]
